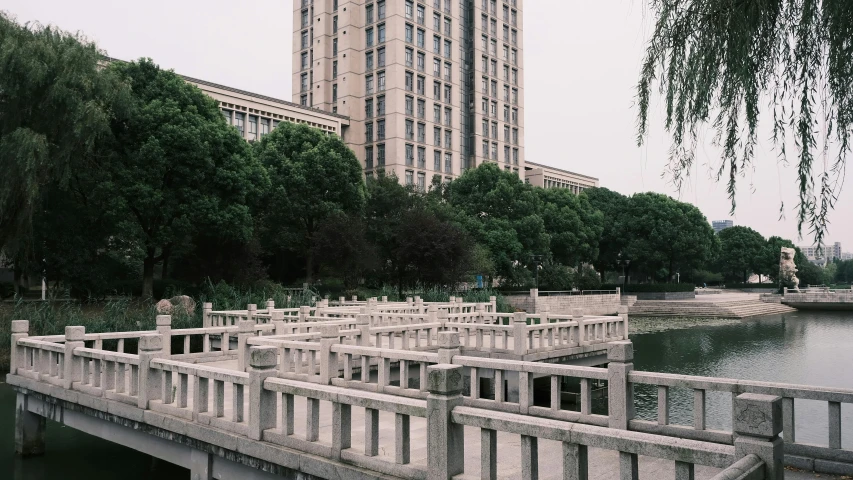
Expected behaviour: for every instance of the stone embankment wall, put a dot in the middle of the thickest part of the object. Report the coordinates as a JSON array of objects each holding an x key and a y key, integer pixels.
[
  {"x": 591, "y": 304},
  {"x": 666, "y": 295}
]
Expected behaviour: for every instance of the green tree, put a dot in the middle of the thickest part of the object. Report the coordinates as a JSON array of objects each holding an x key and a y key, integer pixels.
[
  {"x": 573, "y": 225},
  {"x": 716, "y": 60},
  {"x": 502, "y": 214},
  {"x": 741, "y": 252},
  {"x": 177, "y": 168},
  {"x": 55, "y": 108},
  {"x": 342, "y": 247},
  {"x": 665, "y": 236},
  {"x": 313, "y": 176},
  {"x": 769, "y": 260},
  {"x": 613, "y": 206}
]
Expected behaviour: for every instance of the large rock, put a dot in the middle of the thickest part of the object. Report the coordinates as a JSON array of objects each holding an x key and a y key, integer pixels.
[
  {"x": 179, "y": 305},
  {"x": 788, "y": 270}
]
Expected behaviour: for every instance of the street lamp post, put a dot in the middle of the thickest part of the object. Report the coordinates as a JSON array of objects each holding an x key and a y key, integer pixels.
[
  {"x": 536, "y": 260},
  {"x": 624, "y": 263}
]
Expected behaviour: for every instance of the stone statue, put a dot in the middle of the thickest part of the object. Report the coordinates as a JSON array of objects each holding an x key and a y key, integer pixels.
[{"x": 787, "y": 270}]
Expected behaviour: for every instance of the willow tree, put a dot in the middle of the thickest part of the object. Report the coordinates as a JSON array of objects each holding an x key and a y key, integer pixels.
[{"x": 715, "y": 60}]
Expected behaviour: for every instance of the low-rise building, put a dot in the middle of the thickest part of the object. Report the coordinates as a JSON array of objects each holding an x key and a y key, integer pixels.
[
  {"x": 544, "y": 176},
  {"x": 828, "y": 253},
  {"x": 720, "y": 225}
]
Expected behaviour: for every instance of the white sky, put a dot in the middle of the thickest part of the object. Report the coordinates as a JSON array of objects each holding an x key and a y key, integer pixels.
[{"x": 581, "y": 63}]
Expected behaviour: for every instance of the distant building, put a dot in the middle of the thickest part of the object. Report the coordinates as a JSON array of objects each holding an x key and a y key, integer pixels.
[
  {"x": 847, "y": 256},
  {"x": 829, "y": 253},
  {"x": 544, "y": 176},
  {"x": 720, "y": 225}
]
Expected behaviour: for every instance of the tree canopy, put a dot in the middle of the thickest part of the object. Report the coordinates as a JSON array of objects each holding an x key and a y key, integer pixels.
[
  {"x": 741, "y": 252},
  {"x": 716, "y": 60}
]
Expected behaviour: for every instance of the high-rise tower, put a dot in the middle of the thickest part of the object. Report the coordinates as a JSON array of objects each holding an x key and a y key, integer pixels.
[{"x": 431, "y": 87}]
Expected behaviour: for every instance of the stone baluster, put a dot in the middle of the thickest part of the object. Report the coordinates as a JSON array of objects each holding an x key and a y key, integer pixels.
[
  {"x": 245, "y": 331},
  {"x": 355, "y": 298},
  {"x": 164, "y": 329},
  {"x": 304, "y": 313},
  {"x": 480, "y": 308},
  {"x": 362, "y": 322},
  {"x": 277, "y": 319},
  {"x": 384, "y": 299},
  {"x": 519, "y": 333},
  {"x": 20, "y": 329},
  {"x": 206, "y": 308},
  {"x": 757, "y": 423},
  {"x": 342, "y": 301},
  {"x": 150, "y": 379},
  {"x": 251, "y": 311},
  {"x": 270, "y": 305},
  {"x": 620, "y": 398},
  {"x": 330, "y": 335},
  {"x": 262, "y": 402},
  {"x": 73, "y": 366},
  {"x": 493, "y": 302},
  {"x": 445, "y": 439}
]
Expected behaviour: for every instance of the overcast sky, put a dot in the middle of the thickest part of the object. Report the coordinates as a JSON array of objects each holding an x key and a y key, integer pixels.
[{"x": 581, "y": 63}]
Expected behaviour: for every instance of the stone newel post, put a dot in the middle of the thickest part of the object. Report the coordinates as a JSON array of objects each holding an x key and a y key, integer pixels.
[
  {"x": 445, "y": 439},
  {"x": 620, "y": 398},
  {"x": 245, "y": 331},
  {"x": 206, "y": 308},
  {"x": 622, "y": 311},
  {"x": 362, "y": 321},
  {"x": 448, "y": 347},
  {"x": 262, "y": 405},
  {"x": 757, "y": 423},
  {"x": 164, "y": 328},
  {"x": 20, "y": 329},
  {"x": 519, "y": 333},
  {"x": 150, "y": 379},
  {"x": 73, "y": 367},
  {"x": 330, "y": 335}
]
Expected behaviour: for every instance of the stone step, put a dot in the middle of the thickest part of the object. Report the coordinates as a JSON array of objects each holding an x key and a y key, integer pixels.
[{"x": 725, "y": 309}]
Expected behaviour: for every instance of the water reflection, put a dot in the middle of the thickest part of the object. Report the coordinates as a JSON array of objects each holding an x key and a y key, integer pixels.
[{"x": 806, "y": 348}]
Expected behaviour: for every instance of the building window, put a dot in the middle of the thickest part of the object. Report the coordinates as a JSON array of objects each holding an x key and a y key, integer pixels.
[
  {"x": 421, "y": 61},
  {"x": 515, "y": 116},
  {"x": 335, "y": 24},
  {"x": 506, "y": 113},
  {"x": 436, "y": 22},
  {"x": 421, "y": 133},
  {"x": 380, "y": 9},
  {"x": 485, "y": 128},
  {"x": 514, "y": 76},
  {"x": 494, "y": 151},
  {"x": 436, "y": 45},
  {"x": 303, "y": 100},
  {"x": 421, "y": 35},
  {"x": 334, "y": 92},
  {"x": 514, "y": 56},
  {"x": 304, "y": 42},
  {"x": 448, "y": 162},
  {"x": 446, "y": 26},
  {"x": 421, "y": 108},
  {"x": 447, "y": 72},
  {"x": 410, "y": 60},
  {"x": 368, "y": 108},
  {"x": 436, "y": 90},
  {"x": 381, "y": 81},
  {"x": 421, "y": 181},
  {"x": 410, "y": 154},
  {"x": 485, "y": 149},
  {"x": 410, "y": 9},
  {"x": 447, "y": 48},
  {"x": 506, "y": 134},
  {"x": 506, "y": 93},
  {"x": 448, "y": 114},
  {"x": 410, "y": 106},
  {"x": 239, "y": 121},
  {"x": 368, "y": 14},
  {"x": 448, "y": 137},
  {"x": 380, "y": 53},
  {"x": 368, "y": 35},
  {"x": 368, "y": 84},
  {"x": 304, "y": 61},
  {"x": 421, "y": 14},
  {"x": 436, "y": 67},
  {"x": 515, "y": 156},
  {"x": 368, "y": 157},
  {"x": 368, "y": 61},
  {"x": 304, "y": 18},
  {"x": 253, "y": 127},
  {"x": 380, "y": 130},
  {"x": 381, "y": 30},
  {"x": 437, "y": 160},
  {"x": 380, "y": 105},
  {"x": 495, "y": 130},
  {"x": 380, "y": 155},
  {"x": 506, "y": 154},
  {"x": 436, "y": 113},
  {"x": 436, "y": 136},
  {"x": 334, "y": 69},
  {"x": 409, "y": 178},
  {"x": 303, "y": 82},
  {"x": 515, "y": 136},
  {"x": 410, "y": 80},
  {"x": 227, "y": 114},
  {"x": 368, "y": 132},
  {"x": 421, "y": 85}
]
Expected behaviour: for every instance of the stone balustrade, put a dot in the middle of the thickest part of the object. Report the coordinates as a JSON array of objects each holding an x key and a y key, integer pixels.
[{"x": 433, "y": 395}]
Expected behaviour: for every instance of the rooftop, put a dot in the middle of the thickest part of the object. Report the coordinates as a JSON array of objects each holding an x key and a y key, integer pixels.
[{"x": 531, "y": 165}]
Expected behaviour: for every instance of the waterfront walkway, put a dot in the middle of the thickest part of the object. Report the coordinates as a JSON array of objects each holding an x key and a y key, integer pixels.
[
  {"x": 723, "y": 305},
  {"x": 297, "y": 404}
]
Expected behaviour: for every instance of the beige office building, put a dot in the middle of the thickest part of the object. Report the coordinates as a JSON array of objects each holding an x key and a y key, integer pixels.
[
  {"x": 430, "y": 87},
  {"x": 544, "y": 176}
]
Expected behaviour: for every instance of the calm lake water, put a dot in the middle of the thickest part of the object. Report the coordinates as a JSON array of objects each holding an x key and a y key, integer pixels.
[{"x": 806, "y": 348}]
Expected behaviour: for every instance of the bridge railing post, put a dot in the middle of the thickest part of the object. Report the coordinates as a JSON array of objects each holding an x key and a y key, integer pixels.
[
  {"x": 577, "y": 316},
  {"x": 206, "y": 308},
  {"x": 245, "y": 331},
  {"x": 622, "y": 311},
  {"x": 20, "y": 329},
  {"x": 262, "y": 402},
  {"x": 448, "y": 347},
  {"x": 493, "y": 302},
  {"x": 150, "y": 379},
  {"x": 73, "y": 367},
  {"x": 757, "y": 423},
  {"x": 445, "y": 439},
  {"x": 164, "y": 328},
  {"x": 519, "y": 333},
  {"x": 620, "y": 397},
  {"x": 330, "y": 335}
]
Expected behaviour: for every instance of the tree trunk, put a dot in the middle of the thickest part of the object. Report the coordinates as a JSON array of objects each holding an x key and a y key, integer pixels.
[
  {"x": 309, "y": 265},
  {"x": 163, "y": 274},
  {"x": 148, "y": 274},
  {"x": 744, "y": 276}
]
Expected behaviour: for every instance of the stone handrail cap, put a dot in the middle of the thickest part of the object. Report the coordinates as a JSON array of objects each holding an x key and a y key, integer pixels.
[
  {"x": 448, "y": 340},
  {"x": 151, "y": 343},
  {"x": 252, "y": 306},
  {"x": 577, "y": 312},
  {"x": 758, "y": 415},
  {"x": 164, "y": 320},
  {"x": 330, "y": 331},
  {"x": 519, "y": 317},
  {"x": 263, "y": 357},
  {"x": 207, "y": 306},
  {"x": 246, "y": 326},
  {"x": 75, "y": 334},
  {"x": 620, "y": 351},
  {"x": 444, "y": 379},
  {"x": 20, "y": 326}
]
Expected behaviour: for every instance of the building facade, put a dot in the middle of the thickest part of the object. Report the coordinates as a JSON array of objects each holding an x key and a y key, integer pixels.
[
  {"x": 430, "y": 87},
  {"x": 255, "y": 115},
  {"x": 720, "y": 225},
  {"x": 544, "y": 176},
  {"x": 829, "y": 253}
]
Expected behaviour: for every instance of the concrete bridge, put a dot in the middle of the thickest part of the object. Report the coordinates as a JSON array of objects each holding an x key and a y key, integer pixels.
[{"x": 326, "y": 403}]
